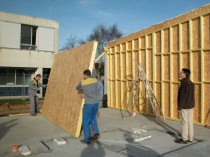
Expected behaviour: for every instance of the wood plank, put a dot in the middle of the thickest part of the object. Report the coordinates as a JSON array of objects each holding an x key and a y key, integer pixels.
[{"x": 62, "y": 104}]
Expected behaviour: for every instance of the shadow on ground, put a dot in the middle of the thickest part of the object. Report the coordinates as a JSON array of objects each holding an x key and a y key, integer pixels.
[{"x": 6, "y": 126}]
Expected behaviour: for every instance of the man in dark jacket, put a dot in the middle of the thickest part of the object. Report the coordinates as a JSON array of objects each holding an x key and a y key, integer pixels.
[{"x": 186, "y": 103}]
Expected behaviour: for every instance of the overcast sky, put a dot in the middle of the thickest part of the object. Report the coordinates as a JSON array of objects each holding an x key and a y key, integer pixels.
[{"x": 78, "y": 17}]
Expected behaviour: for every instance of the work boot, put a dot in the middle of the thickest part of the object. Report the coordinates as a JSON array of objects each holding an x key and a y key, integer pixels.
[
  {"x": 95, "y": 137},
  {"x": 33, "y": 114},
  {"x": 181, "y": 141},
  {"x": 85, "y": 142}
]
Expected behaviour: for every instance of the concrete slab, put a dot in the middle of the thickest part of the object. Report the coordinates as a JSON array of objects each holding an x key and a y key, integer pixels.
[{"x": 116, "y": 138}]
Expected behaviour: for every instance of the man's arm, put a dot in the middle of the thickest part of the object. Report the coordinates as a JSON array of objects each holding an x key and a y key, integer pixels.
[
  {"x": 33, "y": 86},
  {"x": 79, "y": 87},
  {"x": 42, "y": 85}
]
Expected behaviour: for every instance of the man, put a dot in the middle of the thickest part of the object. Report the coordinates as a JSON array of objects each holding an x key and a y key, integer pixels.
[
  {"x": 186, "y": 103},
  {"x": 33, "y": 90},
  {"x": 90, "y": 109}
]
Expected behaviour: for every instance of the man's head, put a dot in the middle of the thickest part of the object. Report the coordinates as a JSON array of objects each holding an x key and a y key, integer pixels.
[
  {"x": 185, "y": 73},
  {"x": 87, "y": 73},
  {"x": 38, "y": 77}
]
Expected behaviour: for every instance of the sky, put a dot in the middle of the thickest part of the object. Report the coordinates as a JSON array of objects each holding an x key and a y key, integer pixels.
[{"x": 79, "y": 17}]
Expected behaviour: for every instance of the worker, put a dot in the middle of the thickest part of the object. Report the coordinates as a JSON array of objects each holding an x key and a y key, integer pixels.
[
  {"x": 186, "y": 103},
  {"x": 90, "y": 109},
  {"x": 33, "y": 91}
]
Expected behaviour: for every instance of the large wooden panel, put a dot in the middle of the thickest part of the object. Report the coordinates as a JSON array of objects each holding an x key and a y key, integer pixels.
[
  {"x": 62, "y": 104},
  {"x": 163, "y": 49}
]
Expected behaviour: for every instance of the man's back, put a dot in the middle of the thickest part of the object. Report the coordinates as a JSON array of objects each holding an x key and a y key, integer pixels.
[{"x": 89, "y": 87}]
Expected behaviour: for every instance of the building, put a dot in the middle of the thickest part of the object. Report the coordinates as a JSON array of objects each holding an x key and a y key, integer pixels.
[{"x": 27, "y": 46}]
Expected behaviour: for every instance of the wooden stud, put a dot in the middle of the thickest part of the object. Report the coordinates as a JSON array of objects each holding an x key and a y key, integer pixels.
[{"x": 202, "y": 70}]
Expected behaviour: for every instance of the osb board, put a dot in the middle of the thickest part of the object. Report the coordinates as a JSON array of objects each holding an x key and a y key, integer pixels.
[
  {"x": 62, "y": 104},
  {"x": 163, "y": 50}
]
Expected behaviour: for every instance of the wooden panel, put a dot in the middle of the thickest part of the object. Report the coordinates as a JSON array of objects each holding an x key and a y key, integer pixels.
[
  {"x": 118, "y": 91},
  {"x": 196, "y": 68},
  {"x": 143, "y": 58},
  {"x": 117, "y": 65},
  {"x": 185, "y": 60},
  {"x": 185, "y": 36},
  {"x": 62, "y": 104},
  {"x": 158, "y": 68},
  {"x": 197, "y": 109},
  {"x": 113, "y": 94},
  {"x": 206, "y": 31},
  {"x": 149, "y": 41},
  {"x": 123, "y": 95},
  {"x": 118, "y": 48},
  {"x": 166, "y": 69},
  {"x": 158, "y": 92},
  {"x": 206, "y": 66},
  {"x": 166, "y": 41},
  {"x": 142, "y": 41},
  {"x": 149, "y": 65},
  {"x": 123, "y": 66},
  {"x": 129, "y": 66},
  {"x": 175, "y": 67},
  {"x": 175, "y": 38},
  {"x": 123, "y": 47},
  {"x": 143, "y": 99},
  {"x": 129, "y": 46},
  {"x": 158, "y": 42},
  {"x": 181, "y": 42},
  {"x": 175, "y": 87},
  {"x": 206, "y": 104},
  {"x": 166, "y": 100},
  {"x": 196, "y": 36},
  {"x": 136, "y": 44}
]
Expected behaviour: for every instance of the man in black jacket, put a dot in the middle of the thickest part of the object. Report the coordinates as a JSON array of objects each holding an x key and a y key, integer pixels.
[{"x": 186, "y": 103}]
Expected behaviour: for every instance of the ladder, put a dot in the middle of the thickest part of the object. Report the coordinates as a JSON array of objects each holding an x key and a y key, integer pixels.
[{"x": 140, "y": 75}]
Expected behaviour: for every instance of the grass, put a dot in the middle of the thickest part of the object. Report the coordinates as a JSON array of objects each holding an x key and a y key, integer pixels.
[{"x": 15, "y": 101}]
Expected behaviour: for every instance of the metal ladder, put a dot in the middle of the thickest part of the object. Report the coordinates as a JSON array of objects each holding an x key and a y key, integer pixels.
[{"x": 149, "y": 91}]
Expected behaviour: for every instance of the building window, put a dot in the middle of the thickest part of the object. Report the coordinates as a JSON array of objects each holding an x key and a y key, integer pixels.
[
  {"x": 11, "y": 77},
  {"x": 28, "y": 37},
  {"x": 7, "y": 77}
]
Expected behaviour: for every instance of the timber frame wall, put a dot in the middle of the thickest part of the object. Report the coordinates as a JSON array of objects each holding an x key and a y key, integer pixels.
[{"x": 163, "y": 50}]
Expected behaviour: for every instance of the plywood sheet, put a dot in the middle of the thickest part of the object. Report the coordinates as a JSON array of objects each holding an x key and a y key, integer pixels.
[{"x": 62, "y": 104}]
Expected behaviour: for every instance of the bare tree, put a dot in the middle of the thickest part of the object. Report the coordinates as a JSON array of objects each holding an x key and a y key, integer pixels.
[
  {"x": 71, "y": 42},
  {"x": 100, "y": 33},
  {"x": 103, "y": 35}
]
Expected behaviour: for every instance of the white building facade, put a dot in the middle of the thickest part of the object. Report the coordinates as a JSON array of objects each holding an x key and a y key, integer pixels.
[{"x": 27, "y": 47}]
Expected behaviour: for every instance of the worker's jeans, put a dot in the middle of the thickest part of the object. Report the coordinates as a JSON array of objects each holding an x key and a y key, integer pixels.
[
  {"x": 89, "y": 118},
  {"x": 187, "y": 124}
]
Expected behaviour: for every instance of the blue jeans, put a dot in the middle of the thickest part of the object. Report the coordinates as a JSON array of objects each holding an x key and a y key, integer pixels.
[{"x": 89, "y": 118}]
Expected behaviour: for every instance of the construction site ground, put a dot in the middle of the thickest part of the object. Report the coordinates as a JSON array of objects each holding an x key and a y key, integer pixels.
[{"x": 116, "y": 138}]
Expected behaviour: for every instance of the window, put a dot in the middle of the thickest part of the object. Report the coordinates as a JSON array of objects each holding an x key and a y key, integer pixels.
[
  {"x": 15, "y": 76},
  {"x": 7, "y": 77},
  {"x": 28, "y": 37}
]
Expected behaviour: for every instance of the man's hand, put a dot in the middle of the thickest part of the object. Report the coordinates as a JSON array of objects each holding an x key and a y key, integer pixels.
[{"x": 82, "y": 95}]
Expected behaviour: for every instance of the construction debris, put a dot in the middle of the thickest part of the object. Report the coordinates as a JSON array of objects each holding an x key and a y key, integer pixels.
[
  {"x": 59, "y": 141},
  {"x": 140, "y": 134},
  {"x": 24, "y": 150}
]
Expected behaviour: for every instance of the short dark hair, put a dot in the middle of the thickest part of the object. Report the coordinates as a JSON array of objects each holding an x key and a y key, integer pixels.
[
  {"x": 187, "y": 72},
  {"x": 87, "y": 72},
  {"x": 38, "y": 75}
]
